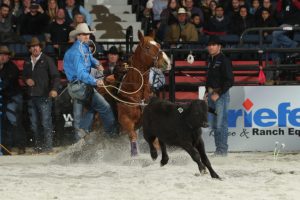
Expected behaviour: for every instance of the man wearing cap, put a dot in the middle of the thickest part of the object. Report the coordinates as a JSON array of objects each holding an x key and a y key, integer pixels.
[
  {"x": 12, "y": 129},
  {"x": 182, "y": 31},
  {"x": 78, "y": 62},
  {"x": 42, "y": 79},
  {"x": 219, "y": 79}
]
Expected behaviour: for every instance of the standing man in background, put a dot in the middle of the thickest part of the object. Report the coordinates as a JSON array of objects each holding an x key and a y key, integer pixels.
[
  {"x": 14, "y": 134},
  {"x": 219, "y": 79},
  {"x": 42, "y": 79}
]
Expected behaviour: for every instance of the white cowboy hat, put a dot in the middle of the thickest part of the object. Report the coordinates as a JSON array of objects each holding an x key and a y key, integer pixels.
[
  {"x": 181, "y": 11},
  {"x": 81, "y": 28}
]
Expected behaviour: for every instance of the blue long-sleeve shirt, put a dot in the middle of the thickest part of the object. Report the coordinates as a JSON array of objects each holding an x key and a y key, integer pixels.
[{"x": 78, "y": 61}]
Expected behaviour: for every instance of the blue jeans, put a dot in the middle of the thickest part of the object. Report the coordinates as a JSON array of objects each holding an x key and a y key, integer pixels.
[
  {"x": 41, "y": 121},
  {"x": 98, "y": 104},
  {"x": 280, "y": 39},
  {"x": 15, "y": 133},
  {"x": 219, "y": 122}
]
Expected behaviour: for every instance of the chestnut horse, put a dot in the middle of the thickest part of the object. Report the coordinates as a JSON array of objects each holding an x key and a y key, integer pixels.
[{"x": 135, "y": 89}]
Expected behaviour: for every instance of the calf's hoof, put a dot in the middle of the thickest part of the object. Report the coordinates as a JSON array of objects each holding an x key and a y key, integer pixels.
[
  {"x": 134, "y": 151},
  {"x": 153, "y": 155},
  {"x": 164, "y": 161}
]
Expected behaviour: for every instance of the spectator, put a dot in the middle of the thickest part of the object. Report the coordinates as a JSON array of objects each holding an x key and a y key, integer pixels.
[
  {"x": 8, "y": 25},
  {"x": 196, "y": 20},
  {"x": 168, "y": 17},
  {"x": 16, "y": 8},
  {"x": 33, "y": 23},
  {"x": 158, "y": 7},
  {"x": 58, "y": 32},
  {"x": 290, "y": 17},
  {"x": 255, "y": 6},
  {"x": 183, "y": 30},
  {"x": 78, "y": 62},
  {"x": 25, "y": 7},
  {"x": 72, "y": 9},
  {"x": 240, "y": 23},
  {"x": 289, "y": 10},
  {"x": 191, "y": 9},
  {"x": 212, "y": 7},
  {"x": 234, "y": 9},
  {"x": 266, "y": 4},
  {"x": 219, "y": 24},
  {"x": 219, "y": 80},
  {"x": 206, "y": 9},
  {"x": 12, "y": 129},
  {"x": 42, "y": 79},
  {"x": 266, "y": 20},
  {"x": 52, "y": 10}
]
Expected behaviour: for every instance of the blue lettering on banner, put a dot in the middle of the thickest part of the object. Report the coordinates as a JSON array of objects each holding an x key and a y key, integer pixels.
[{"x": 266, "y": 117}]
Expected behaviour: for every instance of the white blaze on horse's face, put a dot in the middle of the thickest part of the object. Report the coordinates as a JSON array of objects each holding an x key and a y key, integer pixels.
[{"x": 165, "y": 57}]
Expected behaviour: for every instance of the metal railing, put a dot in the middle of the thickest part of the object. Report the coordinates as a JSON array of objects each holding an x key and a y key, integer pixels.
[{"x": 260, "y": 31}]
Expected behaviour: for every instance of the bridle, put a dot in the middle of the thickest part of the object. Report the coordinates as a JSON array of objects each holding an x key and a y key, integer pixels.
[{"x": 155, "y": 56}]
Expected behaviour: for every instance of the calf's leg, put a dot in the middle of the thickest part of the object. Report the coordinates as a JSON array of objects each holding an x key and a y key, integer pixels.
[
  {"x": 200, "y": 147},
  {"x": 195, "y": 156},
  {"x": 150, "y": 140},
  {"x": 164, "y": 154}
]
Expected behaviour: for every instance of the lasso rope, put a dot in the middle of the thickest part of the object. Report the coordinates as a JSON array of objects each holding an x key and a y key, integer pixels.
[
  {"x": 5, "y": 149},
  {"x": 123, "y": 101},
  {"x": 142, "y": 77}
]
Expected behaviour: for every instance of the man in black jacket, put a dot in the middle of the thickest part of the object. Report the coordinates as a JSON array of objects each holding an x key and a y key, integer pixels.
[
  {"x": 42, "y": 79},
  {"x": 12, "y": 129},
  {"x": 219, "y": 80}
]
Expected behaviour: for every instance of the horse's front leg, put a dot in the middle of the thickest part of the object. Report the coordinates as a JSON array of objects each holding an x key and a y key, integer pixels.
[{"x": 128, "y": 126}]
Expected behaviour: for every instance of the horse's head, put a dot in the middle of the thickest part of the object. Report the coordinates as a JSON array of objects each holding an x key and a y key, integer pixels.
[{"x": 151, "y": 54}]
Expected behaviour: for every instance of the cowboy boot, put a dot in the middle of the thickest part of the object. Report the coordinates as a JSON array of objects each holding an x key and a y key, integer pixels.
[{"x": 134, "y": 151}]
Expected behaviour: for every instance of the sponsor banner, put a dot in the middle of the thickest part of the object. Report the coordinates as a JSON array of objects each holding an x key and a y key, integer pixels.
[{"x": 260, "y": 116}]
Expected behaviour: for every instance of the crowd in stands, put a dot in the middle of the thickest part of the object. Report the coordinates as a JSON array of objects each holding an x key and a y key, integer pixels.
[
  {"x": 48, "y": 20},
  {"x": 172, "y": 19}
]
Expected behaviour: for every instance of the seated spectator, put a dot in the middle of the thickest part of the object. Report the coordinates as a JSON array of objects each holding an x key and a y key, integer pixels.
[
  {"x": 205, "y": 9},
  {"x": 191, "y": 9},
  {"x": 219, "y": 24},
  {"x": 25, "y": 7},
  {"x": 72, "y": 9},
  {"x": 58, "y": 32},
  {"x": 242, "y": 22},
  {"x": 255, "y": 6},
  {"x": 196, "y": 20},
  {"x": 52, "y": 10},
  {"x": 234, "y": 9},
  {"x": 158, "y": 7},
  {"x": 183, "y": 30},
  {"x": 167, "y": 17},
  {"x": 33, "y": 23},
  {"x": 8, "y": 25},
  {"x": 289, "y": 11},
  {"x": 212, "y": 7},
  {"x": 266, "y": 4},
  {"x": 11, "y": 119},
  {"x": 16, "y": 8},
  {"x": 266, "y": 20}
]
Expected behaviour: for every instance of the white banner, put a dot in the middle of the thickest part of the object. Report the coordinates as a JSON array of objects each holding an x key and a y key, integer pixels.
[{"x": 260, "y": 116}]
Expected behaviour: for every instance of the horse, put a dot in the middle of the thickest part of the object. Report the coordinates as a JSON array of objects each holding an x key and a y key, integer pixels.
[{"x": 134, "y": 88}]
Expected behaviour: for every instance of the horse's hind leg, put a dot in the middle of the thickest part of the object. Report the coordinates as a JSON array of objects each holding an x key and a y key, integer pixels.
[
  {"x": 204, "y": 158},
  {"x": 164, "y": 154}
]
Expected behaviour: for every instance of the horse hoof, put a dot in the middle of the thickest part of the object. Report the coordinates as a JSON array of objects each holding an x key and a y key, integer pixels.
[{"x": 134, "y": 151}]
